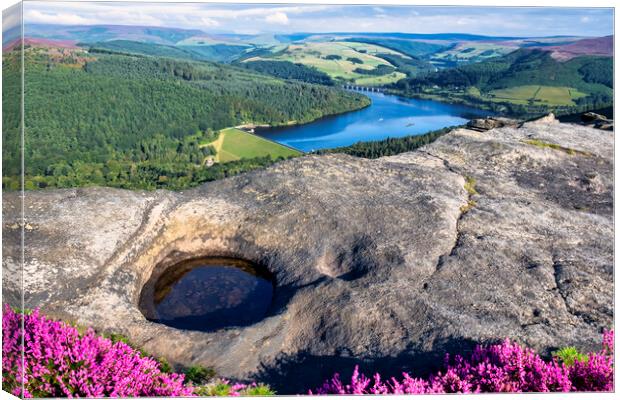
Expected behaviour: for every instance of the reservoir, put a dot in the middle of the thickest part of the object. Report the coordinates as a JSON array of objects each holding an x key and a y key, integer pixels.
[{"x": 387, "y": 116}]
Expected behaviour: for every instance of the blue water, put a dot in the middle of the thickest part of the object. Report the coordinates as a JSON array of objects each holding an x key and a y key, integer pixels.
[{"x": 387, "y": 116}]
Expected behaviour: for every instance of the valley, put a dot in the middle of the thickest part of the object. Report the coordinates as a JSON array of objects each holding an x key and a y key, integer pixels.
[
  {"x": 162, "y": 92},
  {"x": 219, "y": 199}
]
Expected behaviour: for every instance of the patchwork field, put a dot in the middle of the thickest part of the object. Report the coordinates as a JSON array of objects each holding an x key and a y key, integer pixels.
[
  {"x": 551, "y": 95},
  {"x": 340, "y": 60},
  {"x": 469, "y": 52},
  {"x": 234, "y": 144}
]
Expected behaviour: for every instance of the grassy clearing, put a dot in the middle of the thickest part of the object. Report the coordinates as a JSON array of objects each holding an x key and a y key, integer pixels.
[
  {"x": 341, "y": 68},
  {"x": 536, "y": 94},
  {"x": 234, "y": 144},
  {"x": 558, "y": 95}
]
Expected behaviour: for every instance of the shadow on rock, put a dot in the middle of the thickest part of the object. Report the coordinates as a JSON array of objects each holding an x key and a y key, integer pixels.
[{"x": 298, "y": 373}]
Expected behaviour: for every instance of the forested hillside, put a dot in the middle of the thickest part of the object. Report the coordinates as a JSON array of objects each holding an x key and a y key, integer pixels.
[
  {"x": 138, "y": 122},
  {"x": 521, "y": 82},
  {"x": 150, "y": 49},
  {"x": 289, "y": 70}
]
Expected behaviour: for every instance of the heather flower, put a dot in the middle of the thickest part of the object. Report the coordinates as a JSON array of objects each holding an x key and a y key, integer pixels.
[
  {"x": 504, "y": 367},
  {"x": 60, "y": 362}
]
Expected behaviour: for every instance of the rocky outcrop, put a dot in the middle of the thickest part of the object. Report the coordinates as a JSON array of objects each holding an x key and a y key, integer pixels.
[
  {"x": 598, "y": 121},
  {"x": 385, "y": 263},
  {"x": 485, "y": 124}
]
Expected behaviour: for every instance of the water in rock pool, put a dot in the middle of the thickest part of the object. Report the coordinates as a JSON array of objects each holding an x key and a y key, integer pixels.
[
  {"x": 387, "y": 116},
  {"x": 211, "y": 293}
]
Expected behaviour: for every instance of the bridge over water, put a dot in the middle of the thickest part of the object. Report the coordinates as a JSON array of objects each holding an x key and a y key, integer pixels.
[{"x": 364, "y": 88}]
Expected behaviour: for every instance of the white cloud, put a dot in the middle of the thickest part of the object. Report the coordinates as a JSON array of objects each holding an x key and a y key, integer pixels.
[
  {"x": 11, "y": 17},
  {"x": 209, "y": 22},
  {"x": 282, "y": 18},
  {"x": 35, "y": 16},
  {"x": 279, "y": 18}
]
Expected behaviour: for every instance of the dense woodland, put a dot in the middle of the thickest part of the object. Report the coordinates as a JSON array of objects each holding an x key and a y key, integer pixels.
[
  {"x": 137, "y": 122},
  {"x": 289, "y": 70},
  {"x": 140, "y": 48},
  {"x": 379, "y": 70},
  {"x": 389, "y": 146}
]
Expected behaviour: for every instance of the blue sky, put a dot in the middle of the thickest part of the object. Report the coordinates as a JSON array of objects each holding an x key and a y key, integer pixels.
[{"x": 282, "y": 18}]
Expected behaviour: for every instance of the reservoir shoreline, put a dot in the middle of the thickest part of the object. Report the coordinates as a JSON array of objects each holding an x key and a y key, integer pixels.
[{"x": 388, "y": 115}]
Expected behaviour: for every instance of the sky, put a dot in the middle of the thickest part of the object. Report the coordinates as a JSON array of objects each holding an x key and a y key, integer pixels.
[{"x": 282, "y": 18}]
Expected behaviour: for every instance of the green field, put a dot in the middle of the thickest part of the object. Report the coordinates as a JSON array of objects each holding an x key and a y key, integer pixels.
[
  {"x": 234, "y": 144},
  {"x": 315, "y": 55},
  {"x": 536, "y": 94},
  {"x": 472, "y": 52}
]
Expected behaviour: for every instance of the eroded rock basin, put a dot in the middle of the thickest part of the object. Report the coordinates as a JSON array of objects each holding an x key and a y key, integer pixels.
[
  {"x": 385, "y": 263},
  {"x": 207, "y": 294}
]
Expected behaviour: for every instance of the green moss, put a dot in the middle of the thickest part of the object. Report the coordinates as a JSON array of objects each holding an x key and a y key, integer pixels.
[
  {"x": 221, "y": 388},
  {"x": 466, "y": 207},
  {"x": 470, "y": 185},
  {"x": 117, "y": 337},
  {"x": 470, "y": 188},
  {"x": 198, "y": 374},
  {"x": 542, "y": 144}
]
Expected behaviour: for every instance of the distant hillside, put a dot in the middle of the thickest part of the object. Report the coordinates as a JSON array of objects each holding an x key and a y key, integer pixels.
[
  {"x": 38, "y": 42},
  {"x": 359, "y": 63},
  {"x": 288, "y": 70},
  {"x": 218, "y": 52},
  {"x": 603, "y": 46},
  {"x": 149, "y": 49},
  {"x": 524, "y": 81},
  {"x": 408, "y": 47},
  {"x": 100, "y": 33}
]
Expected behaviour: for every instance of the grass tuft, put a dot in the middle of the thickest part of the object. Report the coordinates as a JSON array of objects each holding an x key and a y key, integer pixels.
[
  {"x": 569, "y": 355},
  {"x": 470, "y": 185}
]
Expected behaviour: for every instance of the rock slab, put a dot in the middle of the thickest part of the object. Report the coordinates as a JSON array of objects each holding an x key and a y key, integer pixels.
[{"x": 385, "y": 263}]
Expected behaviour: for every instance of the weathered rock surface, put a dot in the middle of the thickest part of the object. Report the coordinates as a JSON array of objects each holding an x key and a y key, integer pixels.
[
  {"x": 385, "y": 263},
  {"x": 484, "y": 124},
  {"x": 598, "y": 121}
]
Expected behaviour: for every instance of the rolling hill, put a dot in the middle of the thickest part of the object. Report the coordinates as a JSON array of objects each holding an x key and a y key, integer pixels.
[
  {"x": 602, "y": 46},
  {"x": 524, "y": 81},
  {"x": 350, "y": 62}
]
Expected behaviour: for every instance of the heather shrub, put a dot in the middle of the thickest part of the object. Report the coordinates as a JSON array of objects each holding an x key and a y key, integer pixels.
[
  {"x": 59, "y": 361},
  {"x": 164, "y": 365},
  {"x": 505, "y": 367}
]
